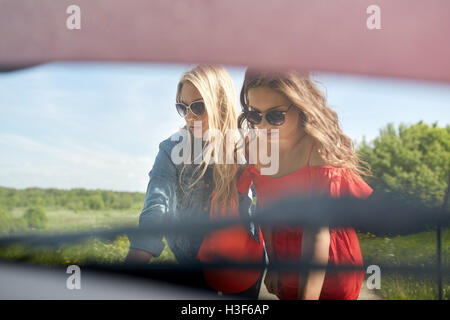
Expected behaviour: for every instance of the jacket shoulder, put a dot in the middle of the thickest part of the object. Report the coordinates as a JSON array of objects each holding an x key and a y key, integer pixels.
[{"x": 168, "y": 144}]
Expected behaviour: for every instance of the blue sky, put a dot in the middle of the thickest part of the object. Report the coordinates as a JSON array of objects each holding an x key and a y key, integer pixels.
[{"x": 93, "y": 125}]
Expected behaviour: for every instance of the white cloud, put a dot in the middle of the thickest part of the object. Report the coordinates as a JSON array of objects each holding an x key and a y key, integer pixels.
[{"x": 69, "y": 166}]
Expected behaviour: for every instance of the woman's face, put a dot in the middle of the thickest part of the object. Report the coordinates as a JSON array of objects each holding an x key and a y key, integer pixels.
[
  {"x": 265, "y": 99},
  {"x": 190, "y": 93}
]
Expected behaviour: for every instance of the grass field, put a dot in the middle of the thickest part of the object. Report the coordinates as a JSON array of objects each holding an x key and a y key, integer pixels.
[
  {"x": 417, "y": 249},
  {"x": 91, "y": 250},
  {"x": 413, "y": 250}
]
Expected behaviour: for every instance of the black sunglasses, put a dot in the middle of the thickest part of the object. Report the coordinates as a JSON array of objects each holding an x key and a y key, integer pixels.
[
  {"x": 274, "y": 117},
  {"x": 197, "y": 107}
]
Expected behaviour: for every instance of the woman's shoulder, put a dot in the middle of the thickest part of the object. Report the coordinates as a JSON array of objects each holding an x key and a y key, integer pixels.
[
  {"x": 165, "y": 161},
  {"x": 343, "y": 182},
  {"x": 168, "y": 144}
]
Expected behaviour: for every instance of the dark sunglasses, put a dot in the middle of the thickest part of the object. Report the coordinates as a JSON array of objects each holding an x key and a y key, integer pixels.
[
  {"x": 274, "y": 117},
  {"x": 197, "y": 107}
]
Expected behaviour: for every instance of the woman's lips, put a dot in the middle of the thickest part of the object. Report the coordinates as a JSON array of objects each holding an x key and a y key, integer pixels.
[{"x": 192, "y": 127}]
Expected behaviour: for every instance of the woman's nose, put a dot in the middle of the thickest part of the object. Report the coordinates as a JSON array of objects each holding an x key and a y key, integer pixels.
[
  {"x": 190, "y": 116},
  {"x": 264, "y": 124}
]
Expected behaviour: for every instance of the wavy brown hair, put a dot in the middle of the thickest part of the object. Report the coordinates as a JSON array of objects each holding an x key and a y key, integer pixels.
[{"x": 318, "y": 120}]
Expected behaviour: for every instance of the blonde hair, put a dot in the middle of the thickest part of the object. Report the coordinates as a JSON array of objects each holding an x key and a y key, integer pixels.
[
  {"x": 318, "y": 120},
  {"x": 218, "y": 93}
]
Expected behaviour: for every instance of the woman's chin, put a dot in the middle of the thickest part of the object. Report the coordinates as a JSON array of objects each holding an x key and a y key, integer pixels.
[
  {"x": 196, "y": 134},
  {"x": 197, "y": 137}
]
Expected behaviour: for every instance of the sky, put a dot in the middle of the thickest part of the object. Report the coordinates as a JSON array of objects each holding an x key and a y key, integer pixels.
[{"x": 98, "y": 125}]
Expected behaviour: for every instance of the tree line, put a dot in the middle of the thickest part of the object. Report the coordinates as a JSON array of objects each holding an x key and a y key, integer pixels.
[{"x": 74, "y": 199}]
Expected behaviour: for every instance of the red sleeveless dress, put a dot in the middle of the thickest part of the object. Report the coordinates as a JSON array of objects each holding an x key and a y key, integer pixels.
[{"x": 344, "y": 244}]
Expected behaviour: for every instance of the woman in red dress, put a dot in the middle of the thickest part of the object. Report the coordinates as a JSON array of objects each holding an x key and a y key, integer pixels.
[{"x": 315, "y": 158}]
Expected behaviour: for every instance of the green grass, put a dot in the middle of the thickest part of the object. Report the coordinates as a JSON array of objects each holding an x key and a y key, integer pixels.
[
  {"x": 89, "y": 251},
  {"x": 63, "y": 220},
  {"x": 413, "y": 250},
  {"x": 417, "y": 249}
]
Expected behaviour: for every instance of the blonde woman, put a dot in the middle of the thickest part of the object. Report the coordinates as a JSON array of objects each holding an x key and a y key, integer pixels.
[
  {"x": 315, "y": 158},
  {"x": 182, "y": 191}
]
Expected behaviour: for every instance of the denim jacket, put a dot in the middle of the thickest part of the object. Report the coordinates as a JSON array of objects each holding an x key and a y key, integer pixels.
[{"x": 166, "y": 201}]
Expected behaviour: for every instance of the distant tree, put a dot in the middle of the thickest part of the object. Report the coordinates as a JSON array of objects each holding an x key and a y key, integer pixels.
[
  {"x": 6, "y": 221},
  {"x": 95, "y": 202},
  {"x": 75, "y": 204},
  {"x": 413, "y": 160},
  {"x": 35, "y": 217},
  {"x": 122, "y": 201}
]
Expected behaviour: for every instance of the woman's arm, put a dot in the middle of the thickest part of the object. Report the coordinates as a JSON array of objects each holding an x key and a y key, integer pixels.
[
  {"x": 159, "y": 200},
  {"x": 315, "y": 249}
]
